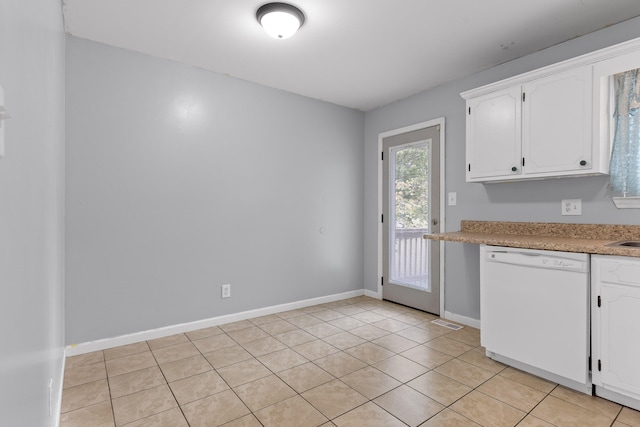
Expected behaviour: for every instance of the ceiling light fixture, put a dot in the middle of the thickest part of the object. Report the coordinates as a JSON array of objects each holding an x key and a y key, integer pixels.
[{"x": 280, "y": 20}]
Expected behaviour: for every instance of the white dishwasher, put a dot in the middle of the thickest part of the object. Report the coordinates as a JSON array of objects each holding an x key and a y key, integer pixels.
[{"x": 534, "y": 312}]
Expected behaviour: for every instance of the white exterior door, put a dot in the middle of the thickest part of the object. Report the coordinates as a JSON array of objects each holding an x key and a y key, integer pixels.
[{"x": 411, "y": 209}]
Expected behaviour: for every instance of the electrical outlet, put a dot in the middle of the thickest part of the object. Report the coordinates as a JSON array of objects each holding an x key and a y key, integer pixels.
[
  {"x": 226, "y": 291},
  {"x": 572, "y": 207}
]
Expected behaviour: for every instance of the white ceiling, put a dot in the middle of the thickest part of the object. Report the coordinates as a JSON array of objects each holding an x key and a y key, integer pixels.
[{"x": 357, "y": 53}]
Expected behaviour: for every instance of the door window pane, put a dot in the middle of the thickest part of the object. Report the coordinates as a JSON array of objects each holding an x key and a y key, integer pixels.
[{"x": 409, "y": 186}]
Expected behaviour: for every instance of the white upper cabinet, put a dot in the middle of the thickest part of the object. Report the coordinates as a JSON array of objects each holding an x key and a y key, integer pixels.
[
  {"x": 494, "y": 135},
  {"x": 556, "y": 124},
  {"x": 547, "y": 123}
]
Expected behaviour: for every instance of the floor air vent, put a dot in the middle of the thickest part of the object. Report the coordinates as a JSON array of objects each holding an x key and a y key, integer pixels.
[{"x": 447, "y": 324}]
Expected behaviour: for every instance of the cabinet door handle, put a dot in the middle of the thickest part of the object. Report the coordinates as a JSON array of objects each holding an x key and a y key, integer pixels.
[
  {"x": 514, "y": 169},
  {"x": 583, "y": 162}
]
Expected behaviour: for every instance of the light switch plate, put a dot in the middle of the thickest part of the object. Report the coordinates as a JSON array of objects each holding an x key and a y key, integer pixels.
[
  {"x": 572, "y": 207},
  {"x": 452, "y": 198}
]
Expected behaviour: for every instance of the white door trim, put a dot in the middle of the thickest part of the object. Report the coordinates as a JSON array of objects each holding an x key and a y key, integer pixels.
[{"x": 394, "y": 132}]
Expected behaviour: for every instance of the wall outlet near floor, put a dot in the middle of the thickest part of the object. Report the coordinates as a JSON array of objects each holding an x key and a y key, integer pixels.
[
  {"x": 225, "y": 291},
  {"x": 572, "y": 207}
]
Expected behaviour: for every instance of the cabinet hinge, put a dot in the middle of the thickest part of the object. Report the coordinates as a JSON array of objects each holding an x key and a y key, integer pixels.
[
  {"x": 382, "y": 156},
  {"x": 599, "y": 365},
  {"x": 523, "y": 96},
  {"x": 599, "y": 301}
]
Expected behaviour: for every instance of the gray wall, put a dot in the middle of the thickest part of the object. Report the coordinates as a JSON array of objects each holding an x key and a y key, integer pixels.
[
  {"x": 521, "y": 201},
  {"x": 31, "y": 211},
  {"x": 180, "y": 180}
]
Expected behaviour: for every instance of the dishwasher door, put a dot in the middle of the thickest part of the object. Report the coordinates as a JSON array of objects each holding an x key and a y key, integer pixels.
[{"x": 534, "y": 312}]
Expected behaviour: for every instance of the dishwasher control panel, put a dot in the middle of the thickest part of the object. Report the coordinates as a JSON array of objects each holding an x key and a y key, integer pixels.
[{"x": 544, "y": 259}]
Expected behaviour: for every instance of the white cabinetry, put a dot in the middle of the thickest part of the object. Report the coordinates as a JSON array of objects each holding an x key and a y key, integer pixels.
[
  {"x": 552, "y": 122},
  {"x": 494, "y": 134},
  {"x": 534, "y": 126},
  {"x": 556, "y": 125},
  {"x": 616, "y": 328}
]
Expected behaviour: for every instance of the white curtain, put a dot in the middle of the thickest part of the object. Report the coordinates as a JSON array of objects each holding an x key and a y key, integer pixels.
[{"x": 625, "y": 156}]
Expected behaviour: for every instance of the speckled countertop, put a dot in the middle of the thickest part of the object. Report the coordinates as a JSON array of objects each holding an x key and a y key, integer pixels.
[{"x": 584, "y": 238}]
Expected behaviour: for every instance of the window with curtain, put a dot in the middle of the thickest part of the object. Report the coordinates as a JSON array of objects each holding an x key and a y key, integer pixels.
[{"x": 625, "y": 155}]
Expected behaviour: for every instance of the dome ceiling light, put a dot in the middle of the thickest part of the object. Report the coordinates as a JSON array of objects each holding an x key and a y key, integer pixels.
[{"x": 280, "y": 20}]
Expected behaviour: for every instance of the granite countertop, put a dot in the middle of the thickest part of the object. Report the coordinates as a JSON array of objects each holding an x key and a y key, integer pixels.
[{"x": 584, "y": 238}]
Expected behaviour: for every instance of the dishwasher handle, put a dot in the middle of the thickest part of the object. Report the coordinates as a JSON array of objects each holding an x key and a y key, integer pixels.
[{"x": 537, "y": 260}]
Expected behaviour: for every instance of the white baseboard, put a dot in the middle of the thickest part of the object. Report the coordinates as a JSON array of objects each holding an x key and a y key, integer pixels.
[
  {"x": 372, "y": 294},
  {"x": 88, "y": 347},
  {"x": 468, "y": 321}
]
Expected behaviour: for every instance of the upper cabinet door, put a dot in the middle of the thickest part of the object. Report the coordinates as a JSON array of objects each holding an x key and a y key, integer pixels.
[
  {"x": 494, "y": 135},
  {"x": 557, "y": 113}
]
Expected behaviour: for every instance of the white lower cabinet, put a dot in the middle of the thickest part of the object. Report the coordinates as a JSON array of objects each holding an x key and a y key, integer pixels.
[{"x": 615, "y": 329}]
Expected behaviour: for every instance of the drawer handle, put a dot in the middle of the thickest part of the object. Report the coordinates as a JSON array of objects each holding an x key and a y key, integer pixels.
[
  {"x": 583, "y": 162},
  {"x": 513, "y": 169}
]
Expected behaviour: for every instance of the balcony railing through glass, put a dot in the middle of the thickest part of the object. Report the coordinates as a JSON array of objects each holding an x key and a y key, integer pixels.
[{"x": 410, "y": 266}]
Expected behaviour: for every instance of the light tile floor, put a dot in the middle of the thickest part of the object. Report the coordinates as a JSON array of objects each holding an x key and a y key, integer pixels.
[{"x": 356, "y": 362}]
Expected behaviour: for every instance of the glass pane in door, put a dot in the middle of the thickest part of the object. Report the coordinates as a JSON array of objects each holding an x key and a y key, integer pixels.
[{"x": 409, "y": 187}]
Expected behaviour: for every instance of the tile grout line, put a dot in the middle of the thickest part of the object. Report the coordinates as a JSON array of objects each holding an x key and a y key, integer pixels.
[
  {"x": 387, "y": 315},
  {"x": 618, "y": 416},
  {"x": 168, "y": 384},
  {"x": 231, "y": 388},
  {"x": 317, "y": 338},
  {"x": 223, "y": 379},
  {"x": 312, "y": 362},
  {"x": 537, "y": 404},
  {"x": 276, "y": 374},
  {"x": 113, "y": 412}
]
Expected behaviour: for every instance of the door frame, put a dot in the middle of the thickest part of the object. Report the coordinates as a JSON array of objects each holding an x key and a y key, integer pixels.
[{"x": 435, "y": 122}]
